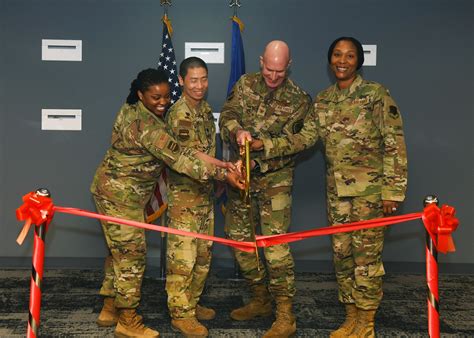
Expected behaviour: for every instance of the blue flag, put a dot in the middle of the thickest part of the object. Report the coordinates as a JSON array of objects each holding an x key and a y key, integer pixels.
[
  {"x": 237, "y": 69},
  {"x": 237, "y": 65}
]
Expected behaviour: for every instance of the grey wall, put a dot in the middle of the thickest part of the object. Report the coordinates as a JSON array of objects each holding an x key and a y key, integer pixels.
[{"x": 425, "y": 50}]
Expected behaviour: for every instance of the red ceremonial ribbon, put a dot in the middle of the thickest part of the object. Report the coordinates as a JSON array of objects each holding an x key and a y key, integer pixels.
[
  {"x": 264, "y": 241},
  {"x": 34, "y": 210},
  {"x": 244, "y": 246},
  {"x": 440, "y": 224}
]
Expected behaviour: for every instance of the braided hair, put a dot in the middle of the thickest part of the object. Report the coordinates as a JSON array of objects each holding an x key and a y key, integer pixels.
[{"x": 145, "y": 79}]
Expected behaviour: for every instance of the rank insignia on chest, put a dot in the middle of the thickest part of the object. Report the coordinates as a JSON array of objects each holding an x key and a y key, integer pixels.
[
  {"x": 173, "y": 146},
  {"x": 183, "y": 134}
]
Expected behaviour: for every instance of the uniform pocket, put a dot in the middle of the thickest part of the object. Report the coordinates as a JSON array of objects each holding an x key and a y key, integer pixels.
[
  {"x": 376, "y": 270},
  {"x": 280, "y": 202}
]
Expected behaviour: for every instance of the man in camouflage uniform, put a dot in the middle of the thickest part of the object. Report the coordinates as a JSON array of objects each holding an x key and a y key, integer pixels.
[
  {"x": 270, "y": 110},
  {"x": 361, "y": 128},
  {"x": 122, "y": 185},
  {"x": 191, "y": 204}
]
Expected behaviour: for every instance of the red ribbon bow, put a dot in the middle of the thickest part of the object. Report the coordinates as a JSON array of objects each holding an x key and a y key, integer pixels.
[
  {"x": 36, "y": 210},
  {"x": 440, "y": 224}
]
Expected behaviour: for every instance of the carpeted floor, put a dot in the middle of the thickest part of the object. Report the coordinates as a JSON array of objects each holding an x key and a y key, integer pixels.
[{"x": 70, "y": 305}]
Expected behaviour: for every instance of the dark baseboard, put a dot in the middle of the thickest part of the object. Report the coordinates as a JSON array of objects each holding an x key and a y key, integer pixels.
[{"x": 227, "y": 265}]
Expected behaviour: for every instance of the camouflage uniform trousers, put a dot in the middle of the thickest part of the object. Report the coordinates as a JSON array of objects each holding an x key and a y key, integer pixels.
[
  {"x": 125, "y": 265},
  {"x": 357, "y": 254},
  {"x": 271, "y": 210},
  {"x": 188, "y": 259}
]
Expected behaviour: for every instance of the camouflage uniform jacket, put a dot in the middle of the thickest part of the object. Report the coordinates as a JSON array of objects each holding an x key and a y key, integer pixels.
[
  {"x": 194, "y": 128},
  {"x": 141, "y": 147},
  {"x": 281, "y": 118},
  {"x": 362, "y": 131}
]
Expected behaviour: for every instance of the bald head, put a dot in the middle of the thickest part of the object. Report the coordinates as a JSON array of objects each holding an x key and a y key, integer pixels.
[
  {"x": 277, "y": 51},
  {"x": 274, "y": 63}
]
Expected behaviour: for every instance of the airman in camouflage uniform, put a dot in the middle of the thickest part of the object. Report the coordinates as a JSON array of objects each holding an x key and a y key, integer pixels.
[
  {"x": 190, "y": 204},
  {"x": 123, "y": 184},
  {"x": 272, "y": 109},
  {"x": 361, "y": 128}
]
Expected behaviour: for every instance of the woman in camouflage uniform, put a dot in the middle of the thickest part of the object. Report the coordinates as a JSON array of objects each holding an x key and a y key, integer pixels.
[
  {"x": 361, "y": 128},
  {"x": 123, "y": 184}
]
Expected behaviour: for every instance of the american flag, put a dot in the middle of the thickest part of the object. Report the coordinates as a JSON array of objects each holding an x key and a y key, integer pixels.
[
  {"x": 168, "y": 63},
  {"x": 159, "y": 202}
]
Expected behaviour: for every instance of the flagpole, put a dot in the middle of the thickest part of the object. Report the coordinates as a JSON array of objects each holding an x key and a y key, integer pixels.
[
  {"x": 237, "y": 69},
  {"x": 163, "y": 248},
  {"x": 167, "y": 62}
]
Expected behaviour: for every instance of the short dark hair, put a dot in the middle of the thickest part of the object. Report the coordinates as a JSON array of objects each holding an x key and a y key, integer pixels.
[
  {"x": 145, "y": 79},
  {"x": 191, "y": 62},
  {"x": 357, "y": 44}
]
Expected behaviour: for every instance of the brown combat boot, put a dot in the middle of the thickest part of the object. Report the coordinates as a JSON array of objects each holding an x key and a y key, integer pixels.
[
  {"x": 130, "y": 324},
  {"x": 365, "y": 326},
  {"x": 349, "y": 324},
  {"x": 189, "y": 327},
  {"x": 109, "y": 314},
  {"x": 204, "y": 313},
  {"x": 259, "y": 306},
  {"x": 285, "y": 323}
]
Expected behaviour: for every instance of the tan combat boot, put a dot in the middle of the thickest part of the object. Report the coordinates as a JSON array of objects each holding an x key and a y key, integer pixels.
[
  {"x": 259, "y": 306},
  {"x": 109, "y": 314},
  {"x": 285, "y": 323},
  {"x": 189, "y": 327},
  {"x": 349, "y": 324},
  {"x": 365, "y": 326},
  {"x": 130, "y": 324},
  {"x": 204, "y": 313}
]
